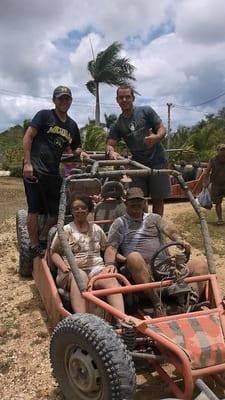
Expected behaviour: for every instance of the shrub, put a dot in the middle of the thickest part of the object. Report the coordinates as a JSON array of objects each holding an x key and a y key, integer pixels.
[{"x": 16, "y": 171}]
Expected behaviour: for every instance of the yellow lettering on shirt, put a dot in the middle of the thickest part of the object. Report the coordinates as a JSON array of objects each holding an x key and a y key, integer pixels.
[{"x": 61, "y": 132}]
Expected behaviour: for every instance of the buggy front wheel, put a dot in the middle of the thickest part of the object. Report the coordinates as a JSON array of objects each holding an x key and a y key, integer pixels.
[{"x": 90, "y": 361}]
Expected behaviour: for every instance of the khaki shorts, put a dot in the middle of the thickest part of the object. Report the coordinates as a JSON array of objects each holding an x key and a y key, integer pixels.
[{"x": 64, "y": 279}]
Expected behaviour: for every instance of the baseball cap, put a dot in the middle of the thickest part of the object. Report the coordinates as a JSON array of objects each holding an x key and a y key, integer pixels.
[
  {"x": 62, "y": 91},
  {"x": 135, "y": 193}
]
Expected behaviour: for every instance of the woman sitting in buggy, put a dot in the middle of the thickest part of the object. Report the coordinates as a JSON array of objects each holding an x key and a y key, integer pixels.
[{"x": 87, "y": 241}]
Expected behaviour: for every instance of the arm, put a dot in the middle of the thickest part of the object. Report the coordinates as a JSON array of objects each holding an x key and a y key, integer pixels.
[
  {"x": 110, "y": 256},
  {"x": 206, "y": 174},
  {"x": 81, "y": 153},
  {"x": 110, "y": 149},
  {"x": 115, "y": 239},
  {"x": 59, "y": 262},
  {"x": 78, "y": 151},
  {"x": 55, "y": 252},
  {"x": 170, "y": 230},
  {"x": 76, "y": 146},
  {"x": 28, "y": 138},
  {"x": 154, "y": 138}
]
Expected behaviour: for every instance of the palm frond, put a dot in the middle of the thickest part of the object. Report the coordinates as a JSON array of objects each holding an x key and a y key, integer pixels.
[
  {"x": 124, "y": 66},
  {"x": 91, "y": 86},
  {"x": 92, "y": 68},
  {"x": 106, "y": 56}
]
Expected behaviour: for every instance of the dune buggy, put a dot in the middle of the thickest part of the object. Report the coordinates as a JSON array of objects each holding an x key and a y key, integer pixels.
[
  {"x": 187, "y": 162},
  {"x": 94, "y": 359}
]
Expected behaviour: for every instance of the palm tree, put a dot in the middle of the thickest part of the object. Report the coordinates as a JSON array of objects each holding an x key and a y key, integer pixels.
[{"x": 108, "y": 67}]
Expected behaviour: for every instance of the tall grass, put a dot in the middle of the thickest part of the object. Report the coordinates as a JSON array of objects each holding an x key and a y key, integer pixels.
[{"x": 188, "y": 224}]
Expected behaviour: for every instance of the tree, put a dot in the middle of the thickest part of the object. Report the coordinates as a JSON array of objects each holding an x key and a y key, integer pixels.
[
  {"x": 110, "y": 119},
  {"x": 26, "y": 124},
  {"x": 108, "y": 67},
  {"x": 95, "y": 137}
]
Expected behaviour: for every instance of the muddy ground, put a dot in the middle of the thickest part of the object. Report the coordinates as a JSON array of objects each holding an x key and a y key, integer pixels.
[{"x": 25, "y": 373}]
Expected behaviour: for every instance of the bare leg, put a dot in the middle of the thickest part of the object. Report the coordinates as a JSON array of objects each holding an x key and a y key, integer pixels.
[
  {"x": 158, "y": 206},
  {"x": 78, "y": 303},
  {"x": 219, "y": 211},
  {"x": 32, "y": 226},
  {"x": 141, "y": 274},
  {"x": 197, "y": 267},
  {"x": 115, "y": 300},
  {"x": 51, "y": 221}
]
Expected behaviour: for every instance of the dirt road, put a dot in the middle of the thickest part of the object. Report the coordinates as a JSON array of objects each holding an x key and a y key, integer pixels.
[{"x": 25, "y": 372}]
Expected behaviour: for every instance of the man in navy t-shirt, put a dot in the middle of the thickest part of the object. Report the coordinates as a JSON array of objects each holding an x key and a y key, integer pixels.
[
  {"x": 49, "y": 134},
  {"x": 142, "y": 130}
]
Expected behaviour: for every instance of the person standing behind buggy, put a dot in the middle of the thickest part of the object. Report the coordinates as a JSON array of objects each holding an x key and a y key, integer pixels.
[
  {"x": 142, "y": 130},
  {"x": 215, "y": 173},
  {"x": 49, "y": 134}
]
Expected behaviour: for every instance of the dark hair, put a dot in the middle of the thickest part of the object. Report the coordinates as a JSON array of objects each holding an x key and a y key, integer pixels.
[
  {"x": 85, "y": 199},
  {"x": 125, "y": 86}
]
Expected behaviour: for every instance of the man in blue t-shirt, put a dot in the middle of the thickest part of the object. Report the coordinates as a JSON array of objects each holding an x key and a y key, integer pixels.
[
  {"x": 142, "y": 130},
  {"x": 49, "y": 134}
]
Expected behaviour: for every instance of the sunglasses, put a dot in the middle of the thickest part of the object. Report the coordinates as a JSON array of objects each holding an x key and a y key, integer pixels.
[{"x": 79, "y": 208}]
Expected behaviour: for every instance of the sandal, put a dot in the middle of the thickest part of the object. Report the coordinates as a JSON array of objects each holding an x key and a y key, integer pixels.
[{"x": 220, "y": 222}]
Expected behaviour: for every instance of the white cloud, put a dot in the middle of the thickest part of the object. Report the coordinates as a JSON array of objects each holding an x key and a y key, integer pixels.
[
  {"x": 177, "y": 46},
  {"x": 201, "y": 21}
]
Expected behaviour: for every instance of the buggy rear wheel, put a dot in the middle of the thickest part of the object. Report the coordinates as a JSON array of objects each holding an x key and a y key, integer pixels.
[
  {"x": 90, "y": 361},
  {"x": 25, "y": 259}
]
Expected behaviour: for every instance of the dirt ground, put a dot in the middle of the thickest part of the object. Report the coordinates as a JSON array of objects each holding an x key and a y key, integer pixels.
[{"x": 25, "y": 373}]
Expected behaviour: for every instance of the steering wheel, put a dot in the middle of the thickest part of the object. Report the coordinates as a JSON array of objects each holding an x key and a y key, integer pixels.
[{"x": 166, "y": 267}]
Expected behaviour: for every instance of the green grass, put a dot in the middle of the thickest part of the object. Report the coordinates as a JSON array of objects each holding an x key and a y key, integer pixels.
[{"x": 188, "y": 225}]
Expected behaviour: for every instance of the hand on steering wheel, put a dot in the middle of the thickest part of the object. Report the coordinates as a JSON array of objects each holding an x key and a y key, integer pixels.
[{"x": 164, "y": 268}]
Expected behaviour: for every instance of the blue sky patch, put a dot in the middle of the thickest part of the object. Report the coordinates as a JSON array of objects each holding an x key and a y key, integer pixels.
[
  {"x": 136, "y": 41},
  {"x": 71, "y": 42}
]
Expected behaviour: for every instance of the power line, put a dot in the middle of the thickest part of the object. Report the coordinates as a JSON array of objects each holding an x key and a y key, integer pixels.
[
  {"x": 77, "y": 103},
  {"x": 204, "y": 102},
  {"x": 10, "y": 93},
  {"x": 191, "y": 109},
  {"x": 6, "y": 92}
]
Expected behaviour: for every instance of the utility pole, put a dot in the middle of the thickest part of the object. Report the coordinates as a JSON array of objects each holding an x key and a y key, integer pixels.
[
  {"x": 92, "y": 50},
  {"x": 169, "y": 105}
]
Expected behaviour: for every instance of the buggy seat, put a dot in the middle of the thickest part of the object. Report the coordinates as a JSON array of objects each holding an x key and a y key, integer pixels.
[{"x": 112, "y": 204}]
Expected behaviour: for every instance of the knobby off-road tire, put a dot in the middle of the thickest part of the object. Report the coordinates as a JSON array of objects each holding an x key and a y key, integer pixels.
[
  {"x": 25, "y": 259},
  {"x": 89, "y": 360}
]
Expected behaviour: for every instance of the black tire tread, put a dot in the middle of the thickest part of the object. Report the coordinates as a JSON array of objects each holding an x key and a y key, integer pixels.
[
  {"x": 118, "y": 363},
  {"x": 25, "y": 259}
]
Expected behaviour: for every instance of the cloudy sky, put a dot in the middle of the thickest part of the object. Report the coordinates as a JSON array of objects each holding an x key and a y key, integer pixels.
[{"x": 177, "y": 47}]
